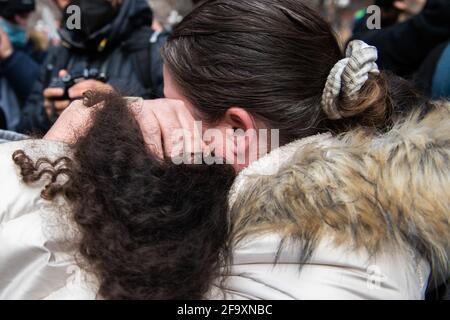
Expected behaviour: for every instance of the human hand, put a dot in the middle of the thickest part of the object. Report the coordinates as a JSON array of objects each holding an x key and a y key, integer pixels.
[
  {"x": 80, "y": 88},
  {"x": 168, "y": 128},
  {"x": 54, "y": 106},
  {"x": 410, "y": 7},
  {"x": 6, "y": 48},
  {"x": 73, "y": 122}
]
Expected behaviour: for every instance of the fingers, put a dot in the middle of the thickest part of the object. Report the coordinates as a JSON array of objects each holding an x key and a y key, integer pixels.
[
  {"x": 77, "y": 91},
  {"x": 55, "y": 107},
  {"x": 400, "y": 5},
  {"x": 73, "y": 121},
  {"x": 411, "y": 7},
  {"x": 168, "y": 127},
  {"x": 52, "y": 93},
  {"x": 151, "y": 131},
  {"x": 148, "y": 124},
  {"x": 193, "y": 143},
  {"x": 62, "y": 73},
  {"x": 60, "y": 106},
  {"x": 171, "y": 130},
  {"x": 6, "y": 49}
]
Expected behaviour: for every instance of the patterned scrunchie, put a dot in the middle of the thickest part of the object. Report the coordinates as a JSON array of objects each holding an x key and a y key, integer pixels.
[{"x": 349, "y": 75}]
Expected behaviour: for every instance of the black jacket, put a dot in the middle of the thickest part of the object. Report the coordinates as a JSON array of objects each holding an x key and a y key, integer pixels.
[
  {"x": 132, "y": 63},
  {"x": 19, "y": 72},
  {"x": 403, "y": 47},
  {"x": 21, "y": 69}
]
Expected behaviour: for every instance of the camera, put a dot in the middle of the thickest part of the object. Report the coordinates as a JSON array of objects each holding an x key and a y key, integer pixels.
[{"x": 68, "y": 81}]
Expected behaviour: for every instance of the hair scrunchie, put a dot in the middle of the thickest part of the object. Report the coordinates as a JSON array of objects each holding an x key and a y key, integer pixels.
[{"x": 349, "y": 75}]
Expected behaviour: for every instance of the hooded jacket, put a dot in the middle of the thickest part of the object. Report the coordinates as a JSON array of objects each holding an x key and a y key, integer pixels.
[
  {"x": 112, "y": 50},
  {"x": 360, "y": 216}
]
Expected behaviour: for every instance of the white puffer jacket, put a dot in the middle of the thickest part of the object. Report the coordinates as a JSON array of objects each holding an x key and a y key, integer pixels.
[
  {"x": 334, "y": 272},
  {"x": 346, "y": 218},
  {"x": 36, "y": 244},
  {"x": 37, "y": 254}
]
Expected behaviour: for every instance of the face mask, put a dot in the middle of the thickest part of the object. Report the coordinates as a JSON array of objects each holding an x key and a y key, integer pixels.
[
  {"x": 17, "y": 35},
  {"x": 95, "y": 14}
]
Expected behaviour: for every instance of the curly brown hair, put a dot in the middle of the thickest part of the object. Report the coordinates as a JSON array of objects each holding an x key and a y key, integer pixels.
[{"x": 149, "y": 229}]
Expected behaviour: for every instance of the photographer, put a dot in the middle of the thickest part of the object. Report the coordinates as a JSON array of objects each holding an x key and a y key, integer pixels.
[
  {"x": 422, "y": 26},
  {"x": 115, "y": 48},
  {"x": 19, "y": 60}
]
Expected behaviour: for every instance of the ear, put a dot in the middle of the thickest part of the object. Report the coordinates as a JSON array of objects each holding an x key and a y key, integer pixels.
[
  {"x": 237, "y": 118},
  {"x": 240, "y": 128}
]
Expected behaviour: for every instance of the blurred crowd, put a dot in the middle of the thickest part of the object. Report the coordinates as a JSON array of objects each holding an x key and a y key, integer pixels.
[{"x": 45, "y": 64}]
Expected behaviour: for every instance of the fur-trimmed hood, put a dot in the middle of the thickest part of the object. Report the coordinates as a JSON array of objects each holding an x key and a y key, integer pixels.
[{"x": 363, "y": 190}]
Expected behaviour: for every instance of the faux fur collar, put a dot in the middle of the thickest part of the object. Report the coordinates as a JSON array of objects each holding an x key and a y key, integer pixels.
[
  {"x": 271, "y": 163},
  {"x": 364, "y": 190}
]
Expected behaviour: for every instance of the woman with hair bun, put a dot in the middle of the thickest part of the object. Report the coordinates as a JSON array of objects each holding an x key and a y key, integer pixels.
[{"x": 354, "y": 204}]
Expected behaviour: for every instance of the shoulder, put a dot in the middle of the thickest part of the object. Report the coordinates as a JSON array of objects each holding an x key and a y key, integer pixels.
[
  {"x": 36, "y": 147},
  {"x": 16, "y": 195},
  {"x": 33, "y": 231},
  {"x": 349, "y": 198},
  {"x": 261, "y": 269}
]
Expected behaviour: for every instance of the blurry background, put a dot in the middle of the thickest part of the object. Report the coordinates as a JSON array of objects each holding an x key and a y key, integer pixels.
[
  {"x": 112, "y": 50},
  {"x": 167, "y": 13},
  {"x": 340, "y": 13}
]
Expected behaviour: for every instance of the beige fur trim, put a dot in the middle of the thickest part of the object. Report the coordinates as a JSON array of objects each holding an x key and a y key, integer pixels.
[{"x": 366, "y": 191}]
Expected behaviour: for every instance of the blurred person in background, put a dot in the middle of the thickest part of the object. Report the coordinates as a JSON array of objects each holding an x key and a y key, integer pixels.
[
  {"x": 413, "y": 42},
  {"x": 389, "y": 16},
  {"x": 392, "y": 12},
  {"x": 115, "y": 48},
  {"x": 46, "y": 21},
  {"x": 62, "y": 4},
  {"x": 20, "y": 59},
  {"x": 168, "y": 13}
]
